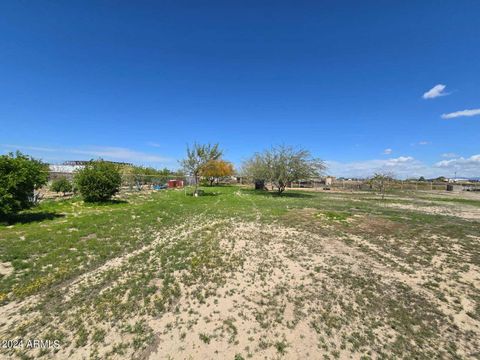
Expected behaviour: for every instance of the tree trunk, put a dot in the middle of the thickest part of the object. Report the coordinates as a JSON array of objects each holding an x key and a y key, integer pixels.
[{"x": 195, "y": 193}]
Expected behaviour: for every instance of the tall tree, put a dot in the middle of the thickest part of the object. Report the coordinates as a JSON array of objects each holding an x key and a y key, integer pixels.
[
  {"x": 197, "y": 157},
  {"x": 282, "y": 165}
]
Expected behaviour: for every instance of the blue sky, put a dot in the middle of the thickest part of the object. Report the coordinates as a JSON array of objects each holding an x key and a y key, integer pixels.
[{"x": 137, "y": 81}]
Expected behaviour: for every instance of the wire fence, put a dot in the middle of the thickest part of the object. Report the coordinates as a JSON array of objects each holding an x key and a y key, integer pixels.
[
  {"x": 129, "y": 179},
  {"x": 143, "y": 182},
  {"x": 130, "y": 183},
  {"x": 365, "y": 185}
]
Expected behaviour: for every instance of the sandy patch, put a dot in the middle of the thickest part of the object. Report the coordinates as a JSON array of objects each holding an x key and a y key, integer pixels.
[
  {"x": 464, "y": 212},
  {"x": 287, "y": 293},
  {"x": 6, "y": 269}
]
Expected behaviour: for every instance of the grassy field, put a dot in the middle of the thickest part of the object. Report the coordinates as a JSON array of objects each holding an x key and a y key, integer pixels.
[{"x": 238, "y": 274}]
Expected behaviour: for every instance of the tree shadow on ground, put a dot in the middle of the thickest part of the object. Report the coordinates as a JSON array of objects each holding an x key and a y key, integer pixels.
[
  {"x": 106, "y": 202},
  {"x": 286, "y": 194},
  {"x": 26, "y": 218},
  {"x": 205, "y": 194},
  {"x": 220, "y": 185}
]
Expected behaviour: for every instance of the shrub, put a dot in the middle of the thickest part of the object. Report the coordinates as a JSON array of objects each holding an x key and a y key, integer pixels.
[
  {"x": 98, "y": 181},
  {"x": 61, "y": 185},
  {"x": 20, "y": 175}
]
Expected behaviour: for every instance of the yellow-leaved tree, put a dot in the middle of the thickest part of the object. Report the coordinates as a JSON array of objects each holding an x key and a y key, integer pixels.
[{"x": 215, "y": 169}]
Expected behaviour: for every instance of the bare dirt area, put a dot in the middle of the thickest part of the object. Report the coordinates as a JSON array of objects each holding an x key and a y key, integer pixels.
[{"x": 464, "y": 211}]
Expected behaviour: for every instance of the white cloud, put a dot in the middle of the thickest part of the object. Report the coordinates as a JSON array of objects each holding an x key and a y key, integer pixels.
[
  {"x": 449, "y": 155},
  {"x": 401, "y": 159},
  {"x": 436, "y": 91},
  {"x": 387, "y": 151},
  {"x": 107, "y": 153},
  {"x": 153, "y": 144},
  {"x": 470, "y": 165},
  {"x": 424, "y": 142},
  {"x": 31, "y": 148},
  {"x": 471, "y": 112},
  {"x": 402, "y": 167},
  {"x": 118, "y": 153},
  {"x": 407, "y": 166}
]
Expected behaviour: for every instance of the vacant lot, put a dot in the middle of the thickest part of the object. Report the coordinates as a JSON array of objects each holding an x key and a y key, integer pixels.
[{"x": 236, "y": 274}]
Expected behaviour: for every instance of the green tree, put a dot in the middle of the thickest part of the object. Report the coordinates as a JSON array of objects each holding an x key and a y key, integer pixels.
[
  {"x": 62, "y": 185},
  {"x": 98, "y": 181},
  {"x": 282, "y": 165},
  {"x": 197, "y": 157},
  {"x": 20, "y": 176}
]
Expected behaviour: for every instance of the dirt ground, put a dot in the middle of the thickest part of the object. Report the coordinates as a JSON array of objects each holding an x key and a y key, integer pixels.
[{"x": 309, "y": 284}]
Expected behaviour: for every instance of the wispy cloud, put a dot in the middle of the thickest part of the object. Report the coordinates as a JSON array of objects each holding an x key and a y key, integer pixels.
[
  {"x": 119, "y": 153},
  {"x": 387, "y": 151},
  {"x": 402, "y": 166},
  {"x": 105, "y": 152},
  {"x": 423, "y": 142},
  {"x": 408, "y": 166},
  {"x": 436, "y": 91},
  {"x": 449, "y": 155},
  {"x": 471, "y": 112},
  {"x": 30, "y": 148},
  {"x": 153, "y": 144}
]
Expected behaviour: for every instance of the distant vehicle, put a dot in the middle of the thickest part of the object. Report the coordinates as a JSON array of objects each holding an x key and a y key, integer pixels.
[{"x": 160, "y": 187}]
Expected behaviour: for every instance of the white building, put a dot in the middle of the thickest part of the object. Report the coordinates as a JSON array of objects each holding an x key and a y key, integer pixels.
[{"x": 66, "y": 169}]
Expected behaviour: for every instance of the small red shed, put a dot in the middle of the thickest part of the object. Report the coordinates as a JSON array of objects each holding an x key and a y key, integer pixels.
[{"x": 172, "y": 184}]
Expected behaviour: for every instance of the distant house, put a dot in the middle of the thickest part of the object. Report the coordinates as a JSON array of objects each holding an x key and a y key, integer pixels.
[{"x": 67, "y": 168}]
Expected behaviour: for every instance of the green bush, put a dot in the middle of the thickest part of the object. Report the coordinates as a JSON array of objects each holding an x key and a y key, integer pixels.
[
  {"x": 20, "y": 175},
  {"x": 61, "y": 185},
  {"x": 98, "y": 181}
]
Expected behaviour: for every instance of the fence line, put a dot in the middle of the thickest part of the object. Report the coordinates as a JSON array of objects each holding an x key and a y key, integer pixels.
[
  {"x": 364, "y": 185},
  {"x": 131, "y": 180}
]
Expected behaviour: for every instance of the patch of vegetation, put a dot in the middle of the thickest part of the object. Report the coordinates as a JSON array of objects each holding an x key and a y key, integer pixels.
[
  {"x": 20, "y": 176},
  {"x": 281, "y": 347},
  {"x": 98, "y": 181},
  {"x": 62, "y": 185},
  {"x": 337, "y": 216},
  {"x": 205, "y": 338}
]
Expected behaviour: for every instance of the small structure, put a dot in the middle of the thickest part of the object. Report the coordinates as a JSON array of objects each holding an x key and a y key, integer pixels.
[
  {"x": 329, "y": 180},
  {"x": 454, "y": 188},
  {"x": 68, "y": 168},
  {"x": 175, "y": 184},
  {"x": 260, "y": 185}
]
